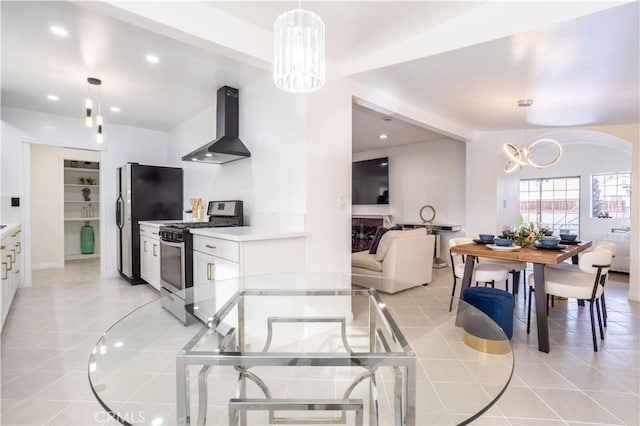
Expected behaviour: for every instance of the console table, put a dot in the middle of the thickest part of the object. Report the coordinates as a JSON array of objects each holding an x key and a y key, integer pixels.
[{"x": 280, "y": 349}]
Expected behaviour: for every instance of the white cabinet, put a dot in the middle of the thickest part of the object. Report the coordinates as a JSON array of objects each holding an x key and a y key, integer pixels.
[
  {"x": 11, "y": 262},
  {"x": 217, "y": 259},
  {"x": 208, "y": 268},
  {"x": 150, "y": 255}
]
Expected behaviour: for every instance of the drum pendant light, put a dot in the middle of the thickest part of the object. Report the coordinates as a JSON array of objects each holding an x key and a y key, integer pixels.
[{"x": 298, "y": 51}]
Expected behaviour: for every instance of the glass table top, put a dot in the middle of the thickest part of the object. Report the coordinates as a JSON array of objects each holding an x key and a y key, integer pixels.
[{"x": 298, "y": 349}]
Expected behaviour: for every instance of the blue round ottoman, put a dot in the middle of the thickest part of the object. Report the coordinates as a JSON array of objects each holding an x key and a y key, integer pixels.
[{"x": 496, "y": 304}]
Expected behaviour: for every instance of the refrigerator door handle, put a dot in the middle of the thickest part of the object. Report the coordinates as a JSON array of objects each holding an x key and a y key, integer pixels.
[{"x": 119, "y": 212}]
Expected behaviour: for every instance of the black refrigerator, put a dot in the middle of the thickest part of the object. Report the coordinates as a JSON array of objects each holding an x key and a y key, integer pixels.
[{"x": 144, "y": 193}]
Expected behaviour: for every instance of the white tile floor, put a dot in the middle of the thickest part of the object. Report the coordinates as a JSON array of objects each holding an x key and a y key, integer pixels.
[{"x": 53, "y": 326}]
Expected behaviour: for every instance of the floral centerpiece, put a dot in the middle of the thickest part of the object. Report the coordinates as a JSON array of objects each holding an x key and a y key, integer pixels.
[{"x": 527, "y": 235}]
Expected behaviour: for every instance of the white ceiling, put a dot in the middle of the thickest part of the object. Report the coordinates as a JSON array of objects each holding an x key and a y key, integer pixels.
[
  {"x": 35, "y": 63},
  {"x": 369, "y": 124},
  {"x": 581, "y": 72}
]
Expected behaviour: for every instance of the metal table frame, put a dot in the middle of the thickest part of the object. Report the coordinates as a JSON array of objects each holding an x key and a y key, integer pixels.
[{"x": 387, "y": 348}]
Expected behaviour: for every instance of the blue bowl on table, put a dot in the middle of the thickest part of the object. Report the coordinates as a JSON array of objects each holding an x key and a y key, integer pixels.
[
  {"x": 549, "y": 242},
  {"x": 568, "y": 237},
  {"x": 486, "y": 238},
  {"x": 502, "y": 242}
]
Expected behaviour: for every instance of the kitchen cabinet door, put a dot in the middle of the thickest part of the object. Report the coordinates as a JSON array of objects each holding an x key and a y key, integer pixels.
[
  {"x": 145, "y": 258},
  {"x": 208, "y": 269},
  {"x": 154, "y": 263}
]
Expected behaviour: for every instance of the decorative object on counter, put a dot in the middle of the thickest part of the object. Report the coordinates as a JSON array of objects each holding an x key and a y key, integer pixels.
[
  {"x": 427, "y": 214},
  {"x": 603, "y": 215},
  {"x": 86, "y": 193},
  {"x": 87, "y": 239},
  {"x": 520, "y": 157},
  {"x": 197, "y": 209},
  {"x": 81, "y": 180},
  {"x": 298, "y": 51}
]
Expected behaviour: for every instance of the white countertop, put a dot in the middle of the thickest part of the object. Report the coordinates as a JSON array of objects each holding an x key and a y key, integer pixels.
[
  {"x": 9, "y": 229},
  {"x": 158, "y": 223},
  {"x": 247, "y": 233}
]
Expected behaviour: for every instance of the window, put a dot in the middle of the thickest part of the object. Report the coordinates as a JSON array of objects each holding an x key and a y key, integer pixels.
[
  {"x": 552, "y": 201},
  {"x": 611, "y": 195}
]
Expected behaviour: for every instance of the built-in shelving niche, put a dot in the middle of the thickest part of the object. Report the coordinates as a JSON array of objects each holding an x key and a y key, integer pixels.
[{"x": 81, "y": 181}]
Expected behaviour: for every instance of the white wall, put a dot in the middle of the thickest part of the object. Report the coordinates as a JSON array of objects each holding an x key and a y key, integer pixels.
[
  {"x": 419, "y": 174},
  {"x": 270, "y": 182},
  {"x": 328, "y": 177},
  {"x": 47, "y": 208},
  {"x": 122, "y": 144}
]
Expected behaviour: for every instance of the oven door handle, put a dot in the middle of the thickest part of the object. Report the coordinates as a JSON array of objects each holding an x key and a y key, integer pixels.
[{"x": 170, "y": 244}]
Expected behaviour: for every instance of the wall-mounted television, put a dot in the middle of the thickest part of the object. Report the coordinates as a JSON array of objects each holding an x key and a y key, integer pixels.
[{"x": 370, "y": 181}]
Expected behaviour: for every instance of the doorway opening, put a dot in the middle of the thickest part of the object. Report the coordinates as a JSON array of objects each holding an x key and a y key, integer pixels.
[{"x": 64, "y": 214}]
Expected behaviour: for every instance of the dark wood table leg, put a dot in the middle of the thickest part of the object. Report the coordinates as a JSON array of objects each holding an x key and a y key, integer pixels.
[{"x": 541, "y": 308}]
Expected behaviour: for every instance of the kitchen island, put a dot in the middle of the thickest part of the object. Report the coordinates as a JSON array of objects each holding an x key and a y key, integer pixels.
[{"x": 229, "y": 252}]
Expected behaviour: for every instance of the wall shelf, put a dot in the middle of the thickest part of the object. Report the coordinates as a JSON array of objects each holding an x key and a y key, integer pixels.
[
  {"x": 78, "y": 169},
  {"x": 75, "y": 206}
]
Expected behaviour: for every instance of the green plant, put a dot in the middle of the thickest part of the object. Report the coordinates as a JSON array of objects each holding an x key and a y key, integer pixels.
[{"x": 527, "y": 235}]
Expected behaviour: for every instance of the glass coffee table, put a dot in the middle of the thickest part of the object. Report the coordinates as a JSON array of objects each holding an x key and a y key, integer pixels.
[{"x": 295, "y": 349}]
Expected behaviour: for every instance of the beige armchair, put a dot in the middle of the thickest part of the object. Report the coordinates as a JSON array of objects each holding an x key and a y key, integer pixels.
[{"x": 403, "y": 260}]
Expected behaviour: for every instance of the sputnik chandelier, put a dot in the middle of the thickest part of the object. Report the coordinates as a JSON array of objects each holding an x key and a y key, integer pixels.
[
  {"x": 298, "y": 51},
  {"x": 520, "y": 157},
  {"x": 89, "y": 108}
]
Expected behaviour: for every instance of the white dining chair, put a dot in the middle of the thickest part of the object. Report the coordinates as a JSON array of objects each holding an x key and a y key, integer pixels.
[
  {"x": 515, "y": 268},
  {"x": 586, "y": 283},
  {"x": 607, "y": 245},
  {"x": 483, "y": 272}
]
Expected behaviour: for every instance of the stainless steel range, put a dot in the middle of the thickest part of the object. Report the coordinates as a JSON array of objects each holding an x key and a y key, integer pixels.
[{"x": 176, "y": 251}]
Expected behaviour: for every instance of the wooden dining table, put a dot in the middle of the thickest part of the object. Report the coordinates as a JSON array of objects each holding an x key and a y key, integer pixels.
[{"x": 538, "y": 257}]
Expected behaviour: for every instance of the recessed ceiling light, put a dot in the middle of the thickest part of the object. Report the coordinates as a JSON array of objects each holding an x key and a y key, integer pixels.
[
  {"x": 115, "y": 109},
  {"x": 382, "y": 136},
  {"x": 53, "y": 98},
  {"x": 194, "y": 159},
  {"x": 152, "y": 59},
  {"x": 208, "y": 154},
  {"x": 59, "y": 31}
]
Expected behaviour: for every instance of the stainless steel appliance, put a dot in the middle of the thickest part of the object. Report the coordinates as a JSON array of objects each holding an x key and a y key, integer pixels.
[
  {"x": 176, "y": 251},
  {"x": 144, "y": 193}
]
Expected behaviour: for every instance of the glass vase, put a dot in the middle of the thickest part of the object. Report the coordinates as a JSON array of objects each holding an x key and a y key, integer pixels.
[{"x": 87, "y": 239}]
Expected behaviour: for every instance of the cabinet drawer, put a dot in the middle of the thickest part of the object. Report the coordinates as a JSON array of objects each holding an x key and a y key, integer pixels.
[
  {"x": 149, "y": 231},
  {"x": 225, "y": 249}
]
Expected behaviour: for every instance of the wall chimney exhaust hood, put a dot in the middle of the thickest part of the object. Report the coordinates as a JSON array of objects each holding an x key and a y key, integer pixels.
[{"x": 227, "y": 146}]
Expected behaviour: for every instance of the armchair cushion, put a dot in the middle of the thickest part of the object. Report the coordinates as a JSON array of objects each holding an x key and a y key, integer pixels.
[
  {"x": 389, "y": 236},
  {"x": 363, "y": 259}
]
